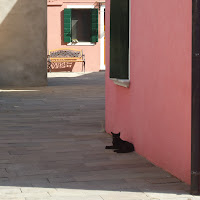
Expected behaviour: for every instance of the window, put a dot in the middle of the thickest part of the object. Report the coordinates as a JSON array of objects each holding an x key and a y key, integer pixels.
[
  {"x": 119, "y": 39},
  {"x": 81, "y": 24}
]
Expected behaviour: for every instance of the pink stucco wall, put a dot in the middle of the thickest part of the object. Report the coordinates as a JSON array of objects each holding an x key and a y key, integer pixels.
[
  {"x": 155, "y": 112},
  {"x": 55, "y": 34}
]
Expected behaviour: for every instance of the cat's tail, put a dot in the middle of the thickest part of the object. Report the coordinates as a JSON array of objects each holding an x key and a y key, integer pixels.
[{"x": 110, "y": 147}]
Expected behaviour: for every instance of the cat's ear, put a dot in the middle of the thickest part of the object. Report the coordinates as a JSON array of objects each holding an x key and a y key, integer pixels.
[
  {"x": 119, "y": 133},
  {"x": 112, "y": 133}
]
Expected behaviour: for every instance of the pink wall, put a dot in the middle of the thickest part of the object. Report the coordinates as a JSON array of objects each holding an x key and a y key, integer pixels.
[
  {"x": 55, "y": 34},
  {"x": 155, "y": 112}
]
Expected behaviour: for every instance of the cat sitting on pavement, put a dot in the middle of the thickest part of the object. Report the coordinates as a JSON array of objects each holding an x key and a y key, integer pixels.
[{"x": 120, "y": 145}]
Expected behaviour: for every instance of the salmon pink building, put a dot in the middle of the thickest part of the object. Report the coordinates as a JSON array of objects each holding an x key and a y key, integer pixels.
[
  {"x": 77, "y": 25},
  {"x": 152, "y": 96}
]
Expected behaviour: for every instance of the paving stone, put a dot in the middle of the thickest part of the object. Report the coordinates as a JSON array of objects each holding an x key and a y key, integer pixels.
[
  {"x": 172, "y": 194},
  {"x": 9, "y": 190},
  {"x": 67, "y": 192},
  {"x": 68, "y": 198},
  {"x": 13, "y": 198},
  {"x": 126, "y": 196},
  {"x": 37, "y": 189},
  {"x": 52, "y": 147},
  {"x": 24, "y": 195}
]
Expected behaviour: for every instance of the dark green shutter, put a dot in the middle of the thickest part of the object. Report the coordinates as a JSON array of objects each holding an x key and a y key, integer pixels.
[
  {"x": 119, "y": 39},
  {"x": 94, "y": 25},
  {"x": 67, "y": 25}
]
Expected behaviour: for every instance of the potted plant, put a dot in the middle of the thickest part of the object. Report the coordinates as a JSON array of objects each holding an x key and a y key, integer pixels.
[{"x": 74, "y": 41}]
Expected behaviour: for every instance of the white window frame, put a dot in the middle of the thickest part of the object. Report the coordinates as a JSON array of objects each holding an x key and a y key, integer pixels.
[
  {"x": 102, "y": 35},
  {"x": 125, "y": 82},
  {"x": 81, "y": 7}
]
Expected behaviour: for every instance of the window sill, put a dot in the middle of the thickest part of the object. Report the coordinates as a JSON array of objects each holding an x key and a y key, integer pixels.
[
  {"x": 81, "y": 44},
  {"x": 121, "y": 82}
]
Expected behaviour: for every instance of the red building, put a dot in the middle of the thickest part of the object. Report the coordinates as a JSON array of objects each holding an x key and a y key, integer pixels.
[{"x": 149, "y": 81}]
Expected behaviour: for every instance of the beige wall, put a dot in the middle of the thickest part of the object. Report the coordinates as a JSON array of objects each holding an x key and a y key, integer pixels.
[{"x": 23, "y": 45}]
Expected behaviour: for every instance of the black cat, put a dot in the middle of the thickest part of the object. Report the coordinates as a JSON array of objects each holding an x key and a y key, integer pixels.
[{"x": 120, "y": 145}]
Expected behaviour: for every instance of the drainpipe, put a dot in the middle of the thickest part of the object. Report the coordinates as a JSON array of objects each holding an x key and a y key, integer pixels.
[{"x": 195, "y": 132}]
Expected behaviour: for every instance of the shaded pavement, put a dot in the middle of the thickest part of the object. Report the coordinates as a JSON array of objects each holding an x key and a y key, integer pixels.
[{"x": 52, "y": 147}]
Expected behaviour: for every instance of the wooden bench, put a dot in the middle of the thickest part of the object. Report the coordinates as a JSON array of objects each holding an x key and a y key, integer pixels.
[{"x": 65, "y": 55}]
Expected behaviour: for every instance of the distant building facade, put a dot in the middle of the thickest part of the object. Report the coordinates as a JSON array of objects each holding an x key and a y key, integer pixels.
[{"x": 78, "y": 25}]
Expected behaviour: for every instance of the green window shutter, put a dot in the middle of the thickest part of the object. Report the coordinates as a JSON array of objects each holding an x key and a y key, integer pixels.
[
  {"x": 67, "y": 25},
  {"x": 94, "y": 25},
  {"x": 119, "y": 39}
]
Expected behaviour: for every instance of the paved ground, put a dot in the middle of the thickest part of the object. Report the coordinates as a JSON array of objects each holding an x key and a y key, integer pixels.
[{"x": 52, "y": 148}]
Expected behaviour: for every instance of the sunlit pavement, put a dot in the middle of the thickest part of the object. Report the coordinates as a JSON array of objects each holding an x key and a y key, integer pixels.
[{"x": 52, "y": 147}]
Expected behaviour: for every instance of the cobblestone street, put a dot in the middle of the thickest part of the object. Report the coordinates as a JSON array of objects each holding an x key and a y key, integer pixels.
[{"x": 52, "y": 147}]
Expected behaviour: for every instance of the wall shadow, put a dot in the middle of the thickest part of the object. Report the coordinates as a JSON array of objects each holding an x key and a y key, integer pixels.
[
  {"x": 59, "y": 67},
  {"x": 62, "y": 27}
]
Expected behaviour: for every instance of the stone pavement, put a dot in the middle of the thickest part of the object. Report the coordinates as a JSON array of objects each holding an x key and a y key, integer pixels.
[{"x": 52, "y": 143}]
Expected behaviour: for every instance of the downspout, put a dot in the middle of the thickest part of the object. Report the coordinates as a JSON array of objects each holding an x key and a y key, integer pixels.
[{"x": 195, "y": 132}]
